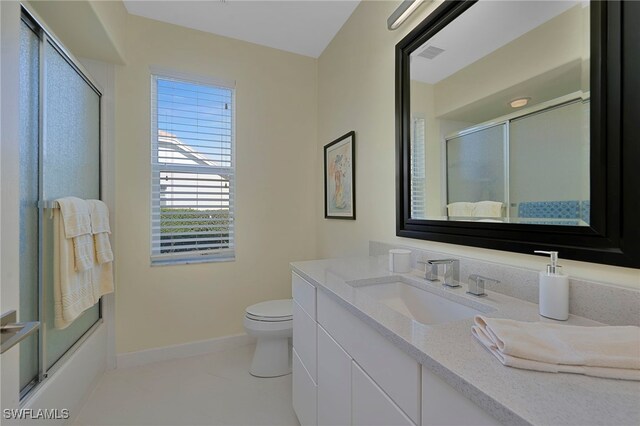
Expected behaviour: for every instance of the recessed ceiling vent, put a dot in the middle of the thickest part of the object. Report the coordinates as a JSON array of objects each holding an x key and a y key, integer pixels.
[{"x": 430, "y": 52}]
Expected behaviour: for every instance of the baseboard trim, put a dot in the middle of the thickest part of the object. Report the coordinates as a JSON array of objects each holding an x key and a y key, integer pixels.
[{"x": 201, "y": 347}]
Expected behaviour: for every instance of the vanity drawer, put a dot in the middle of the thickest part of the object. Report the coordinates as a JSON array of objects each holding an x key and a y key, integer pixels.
[
  {"x": 392, "y": 369},
  {"x": 304, "y": 393},
  {"x": 305, "y": 339},
  {"x": 304, "y": 293}
]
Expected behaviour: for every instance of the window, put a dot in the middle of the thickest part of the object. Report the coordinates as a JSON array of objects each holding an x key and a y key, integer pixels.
[{"x": 193, "y": 173}]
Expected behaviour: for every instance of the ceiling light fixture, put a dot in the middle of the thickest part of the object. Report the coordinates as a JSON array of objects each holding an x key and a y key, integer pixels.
[
  {"x": 519, "y": 103},
  {"x": 406, "y": 8}
]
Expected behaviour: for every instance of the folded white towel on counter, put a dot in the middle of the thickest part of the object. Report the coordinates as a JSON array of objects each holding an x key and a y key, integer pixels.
[
  {"x": 604, "y": 372},
  {"x": 99, "y": 213},
  {"x": 460, "y": 209},
  {"x": 607, "y": 351},
  {"x": 488, "y": 209},
  {"x": 73, "y": 290}
]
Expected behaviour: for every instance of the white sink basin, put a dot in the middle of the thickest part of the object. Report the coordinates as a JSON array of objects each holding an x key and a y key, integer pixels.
[{"x": 420, "y": 305}]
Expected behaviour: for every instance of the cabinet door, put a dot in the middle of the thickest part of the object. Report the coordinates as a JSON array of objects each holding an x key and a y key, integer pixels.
[
  {"x": 391, "y": 368},
  {"x": 371, "y": 406},
  {"x": 334, "y": 382},
  {"x": 304, "y": 339},
  {"x": 443, "y": 405},
  {"x": 304, "y": 393}
]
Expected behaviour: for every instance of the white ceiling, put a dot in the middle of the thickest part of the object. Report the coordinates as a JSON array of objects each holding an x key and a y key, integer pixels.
[
  {"x": 302, "y": 26},
  {"x": 485, "y": 27}
]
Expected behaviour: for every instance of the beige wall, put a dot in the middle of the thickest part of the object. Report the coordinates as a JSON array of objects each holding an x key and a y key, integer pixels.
[
  {"x": 356, "y": 92},
  {"x": 89, "y": 29},
  {"x": 275, "y": 144},
  {"x": 557, "y": 42},
  {"x": 423, "y": 105}
]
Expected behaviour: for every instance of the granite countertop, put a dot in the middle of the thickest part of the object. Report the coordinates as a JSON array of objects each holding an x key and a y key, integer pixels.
[{"x": 511, "y": 395}]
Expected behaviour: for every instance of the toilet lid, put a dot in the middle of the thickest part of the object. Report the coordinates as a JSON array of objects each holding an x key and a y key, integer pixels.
[{"x": 273, "y": 309}]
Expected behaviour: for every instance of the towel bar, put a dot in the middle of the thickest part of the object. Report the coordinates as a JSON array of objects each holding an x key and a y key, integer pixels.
[{"x": 48, "y": 204}]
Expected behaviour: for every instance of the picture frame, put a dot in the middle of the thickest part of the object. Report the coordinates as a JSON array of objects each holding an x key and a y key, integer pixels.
[{"x": 340, "y": 178}]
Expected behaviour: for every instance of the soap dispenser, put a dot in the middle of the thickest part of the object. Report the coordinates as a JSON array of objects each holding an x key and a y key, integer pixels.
[{"x": 554, "y": 290}]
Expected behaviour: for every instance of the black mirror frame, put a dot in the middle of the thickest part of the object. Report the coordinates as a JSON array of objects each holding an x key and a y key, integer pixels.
[{"x": 613, "y": 236}]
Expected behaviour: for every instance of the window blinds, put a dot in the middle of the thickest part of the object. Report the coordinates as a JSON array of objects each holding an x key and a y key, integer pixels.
[
  {"x": 418, "y": 175},
  {"x": 192, "y": 162}
]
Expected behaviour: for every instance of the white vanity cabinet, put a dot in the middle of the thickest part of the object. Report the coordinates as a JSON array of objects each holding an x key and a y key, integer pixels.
[
  {"x": 347, "y": 373},
  {"x": 304, "y": 351}
]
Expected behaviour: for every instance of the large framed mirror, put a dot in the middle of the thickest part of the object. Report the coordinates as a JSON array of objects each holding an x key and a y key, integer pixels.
[{"x": 517, "y": 128}]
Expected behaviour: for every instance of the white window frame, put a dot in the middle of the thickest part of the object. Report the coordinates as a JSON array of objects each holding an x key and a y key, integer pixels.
[{"x": 217, "y": 255}]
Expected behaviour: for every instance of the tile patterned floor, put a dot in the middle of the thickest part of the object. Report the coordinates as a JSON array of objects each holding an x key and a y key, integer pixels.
[{"x": 213, "y": 389}]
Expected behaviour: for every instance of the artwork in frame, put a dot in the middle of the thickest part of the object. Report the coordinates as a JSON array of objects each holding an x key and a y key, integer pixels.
[{"x": 339, "y": 178}]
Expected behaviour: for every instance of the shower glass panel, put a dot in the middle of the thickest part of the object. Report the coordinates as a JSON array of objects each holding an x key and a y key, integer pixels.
[
  {"x": 552, "y": 149},
  {"x": 70, "y": 167},
  {"x": 28, "y": 181},
  {"x": 477, "y": 166}
]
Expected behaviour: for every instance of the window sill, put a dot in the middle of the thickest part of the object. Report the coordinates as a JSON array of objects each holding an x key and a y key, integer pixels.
[{"x": 203, "y": 259}]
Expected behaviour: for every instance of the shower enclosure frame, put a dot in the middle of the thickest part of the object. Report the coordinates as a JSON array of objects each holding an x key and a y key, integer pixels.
[
  {"x": 45, "y": 36},
  {"x": 506, "y": 120}
]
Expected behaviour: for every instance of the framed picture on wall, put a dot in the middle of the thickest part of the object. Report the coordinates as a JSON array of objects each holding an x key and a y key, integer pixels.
[{"x": 340, "y": 178}]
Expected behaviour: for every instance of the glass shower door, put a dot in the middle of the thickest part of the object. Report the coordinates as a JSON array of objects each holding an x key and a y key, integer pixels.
[
  {"x": 70, "y": 167},
  {"x": 477, "y": 166}
]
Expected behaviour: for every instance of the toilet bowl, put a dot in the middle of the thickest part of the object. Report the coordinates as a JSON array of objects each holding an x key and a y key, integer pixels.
[{"x": 271, "y": 323}]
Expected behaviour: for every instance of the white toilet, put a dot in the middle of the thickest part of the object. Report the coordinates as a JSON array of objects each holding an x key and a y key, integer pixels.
[{"x": 272, "y": 323}]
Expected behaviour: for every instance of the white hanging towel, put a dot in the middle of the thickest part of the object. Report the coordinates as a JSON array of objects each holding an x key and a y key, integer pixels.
[
  {"x": 73, "y": 291},
  {"x": 77, "y": 226},
  {"x": 102, "y": 278},
  {"x": 488, "y": 209},
  {"x": 102, "y": 273},
  {"x": 100, "y": 229},
  {"x": 75, "y": 215}
]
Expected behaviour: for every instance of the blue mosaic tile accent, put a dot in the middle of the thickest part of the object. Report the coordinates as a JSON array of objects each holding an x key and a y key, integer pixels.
[
  {"x": 585, "y": 211},
  {"x": 550, "y": 209},
  {"x": 561, "y": 222}
]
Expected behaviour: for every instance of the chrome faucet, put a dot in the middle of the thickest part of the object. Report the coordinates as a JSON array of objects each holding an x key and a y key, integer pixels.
[
  {"x": 451, "y": 275},
  {"x": 430, "y": 271},
  {"x": 476, "y": 284}
]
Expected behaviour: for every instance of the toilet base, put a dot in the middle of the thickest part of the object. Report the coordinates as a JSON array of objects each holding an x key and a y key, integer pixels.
[{"x": 272, "y": 357}]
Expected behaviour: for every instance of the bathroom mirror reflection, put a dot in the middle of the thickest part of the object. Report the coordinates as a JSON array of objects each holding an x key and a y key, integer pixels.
[{"x": 499, "y": 102}]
